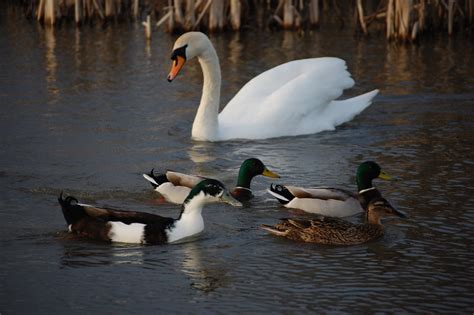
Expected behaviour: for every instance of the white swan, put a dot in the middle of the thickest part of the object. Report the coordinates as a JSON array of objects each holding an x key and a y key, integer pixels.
[{"x": 291, "y": 99}]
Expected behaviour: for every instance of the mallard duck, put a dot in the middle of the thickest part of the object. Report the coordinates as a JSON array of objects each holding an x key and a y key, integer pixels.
[
  {"x": 330, "y": 201},
  {"x": 295, "y": 98},
  {"x": 336, "y": 231},
  {"x": 174, "y": 186},
  {"x": 113, "y": 225}
]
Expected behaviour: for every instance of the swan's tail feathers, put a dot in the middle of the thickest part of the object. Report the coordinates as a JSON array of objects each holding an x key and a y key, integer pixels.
[
  {"x": 281, "y": 193},
  {"x": 274, "y": 230},
  {"x": 72, "y": 211},
  {"x": 345, "y": 110},
  {"x": 365, "y": 99},
  {"x": 155, "y": 180}
]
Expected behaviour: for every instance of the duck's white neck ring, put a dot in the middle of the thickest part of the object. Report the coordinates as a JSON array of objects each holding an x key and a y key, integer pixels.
[
  {"x": 366, "y": 190},
  {"x": 243, "y": 188}
]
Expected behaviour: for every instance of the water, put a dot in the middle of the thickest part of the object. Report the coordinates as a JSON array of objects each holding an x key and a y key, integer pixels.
[{"x": 86, "y": 112}]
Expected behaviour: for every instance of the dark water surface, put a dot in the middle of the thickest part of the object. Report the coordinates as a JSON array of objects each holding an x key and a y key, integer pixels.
[{"x": 87, "y": 111}]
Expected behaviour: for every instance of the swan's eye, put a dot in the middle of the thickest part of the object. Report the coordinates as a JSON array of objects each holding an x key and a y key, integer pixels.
[{"x": 179, "y": 52}]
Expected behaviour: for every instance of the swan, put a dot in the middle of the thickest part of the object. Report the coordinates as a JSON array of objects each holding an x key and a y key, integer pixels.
[{"x": 294, "y": 98}]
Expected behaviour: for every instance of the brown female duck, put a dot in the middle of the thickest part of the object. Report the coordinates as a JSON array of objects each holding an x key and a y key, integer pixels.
[{"x": 336, "y": 231}]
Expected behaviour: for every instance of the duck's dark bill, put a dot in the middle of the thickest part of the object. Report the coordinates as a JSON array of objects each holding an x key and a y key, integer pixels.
[
  {"x": 226, "y": 197},
  {"x": 399, "y": 213}
]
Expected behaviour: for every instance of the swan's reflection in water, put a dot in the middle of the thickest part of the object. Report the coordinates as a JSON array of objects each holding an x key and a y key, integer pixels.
[{"x": 202, "y": 152}]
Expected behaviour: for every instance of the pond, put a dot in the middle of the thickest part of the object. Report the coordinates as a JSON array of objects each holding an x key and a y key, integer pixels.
[{"x": 87, "y": 111}]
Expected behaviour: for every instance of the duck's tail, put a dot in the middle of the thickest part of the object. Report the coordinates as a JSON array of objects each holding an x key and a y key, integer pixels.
[
  {"x": 155, "y": 180},
  {"x": 72, "y": 211},
  {"x": 274, "y": 230},
  {"x": 281, "y": 193}
]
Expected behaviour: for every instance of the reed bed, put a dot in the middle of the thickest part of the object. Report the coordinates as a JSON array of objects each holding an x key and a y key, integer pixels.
[{"x": 401, "y": 20}]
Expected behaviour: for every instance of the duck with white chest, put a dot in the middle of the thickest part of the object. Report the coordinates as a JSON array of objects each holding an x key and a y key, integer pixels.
[
  {"x": 114, "y": 225},
  {"x": 174, "y": 186},
  {"x": 333, "y": 201}
]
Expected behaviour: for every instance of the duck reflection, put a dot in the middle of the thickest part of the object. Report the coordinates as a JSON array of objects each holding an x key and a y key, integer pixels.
[
  {"x": 128, "y": 255},
  {"x": 80, "y": 253},
  {"x": 204, "y": 276}
]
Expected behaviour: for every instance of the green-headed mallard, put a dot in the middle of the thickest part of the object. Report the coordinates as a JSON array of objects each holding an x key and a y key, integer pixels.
[
  {"x": 336, "y": 231},
  {"x": 330, "y": 201},
  {"x": 113, "y": 225},
  {"x": 174, "y": 186}
]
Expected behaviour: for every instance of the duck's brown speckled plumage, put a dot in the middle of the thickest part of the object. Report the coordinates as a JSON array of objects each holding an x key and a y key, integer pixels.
[
  {"x": 336, "y": 231},
  {"x": 327, "y": 230}
]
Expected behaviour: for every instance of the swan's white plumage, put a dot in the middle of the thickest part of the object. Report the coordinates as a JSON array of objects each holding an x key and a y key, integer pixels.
[{"x": 291, "y": 99}]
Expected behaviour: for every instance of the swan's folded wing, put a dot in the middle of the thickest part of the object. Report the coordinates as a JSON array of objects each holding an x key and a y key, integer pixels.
[
  {"x": 322, "y": 193},
  {"x": 180, "y": 179},
  {"x": 285, "y": 94},
  {"x": 296, "y": 80}
]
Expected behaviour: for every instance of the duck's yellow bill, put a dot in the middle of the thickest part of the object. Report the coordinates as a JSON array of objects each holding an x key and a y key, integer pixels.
[
  {"x": 268, "y": 173},
  {"x": 384, "y": 175},
  {"x": 178, "y": 63}
]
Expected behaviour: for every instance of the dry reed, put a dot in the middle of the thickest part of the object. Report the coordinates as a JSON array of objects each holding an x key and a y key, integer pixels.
[{"x": 403, "y": 20}]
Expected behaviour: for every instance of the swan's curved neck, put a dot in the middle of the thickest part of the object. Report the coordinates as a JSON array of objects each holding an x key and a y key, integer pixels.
[{"x": 205, "y": 126}]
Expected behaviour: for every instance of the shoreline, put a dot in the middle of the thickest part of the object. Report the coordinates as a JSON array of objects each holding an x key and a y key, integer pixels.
[{"x": 403, "y": 21}]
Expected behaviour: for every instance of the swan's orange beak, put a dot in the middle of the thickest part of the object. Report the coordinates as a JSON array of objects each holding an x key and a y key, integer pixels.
[{"x": 178, "y": 63}]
